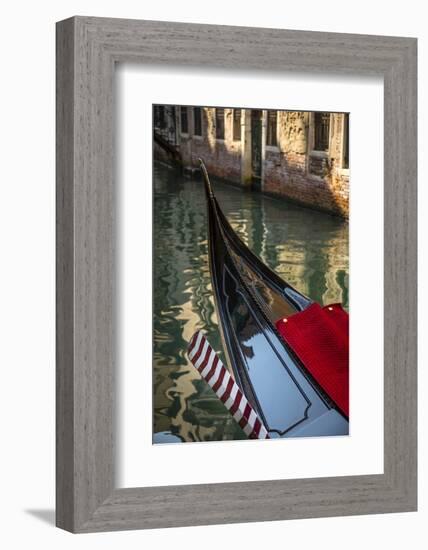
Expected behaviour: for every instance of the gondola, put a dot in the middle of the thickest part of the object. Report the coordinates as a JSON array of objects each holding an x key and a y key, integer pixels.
[{"x": 250, "y": 299}]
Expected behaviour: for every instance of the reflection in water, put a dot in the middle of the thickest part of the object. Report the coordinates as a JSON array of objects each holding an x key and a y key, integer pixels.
[{"x": 306, "y": 248}]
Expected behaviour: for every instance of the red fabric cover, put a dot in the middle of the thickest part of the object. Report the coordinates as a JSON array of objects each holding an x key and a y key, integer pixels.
[{"x": 319, "y": 336}]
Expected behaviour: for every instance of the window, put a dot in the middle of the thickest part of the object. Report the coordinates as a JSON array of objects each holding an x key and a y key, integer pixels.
[
  {"x": 219, "y": 123},
  {"x": 271, "y": 128},
  {"x": 197, "y": 119},
  {"x": 159, "y": 116},
  {"x": 237, "y": 124},
  {"x": 322, "y": 131},
  {"x": 346, "y": 141},
  {"x": 183, "y": 120}
]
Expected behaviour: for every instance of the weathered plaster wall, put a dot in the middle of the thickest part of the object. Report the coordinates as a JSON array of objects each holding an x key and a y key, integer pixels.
[
  {"x": 222, "y": 157},
  {"x": 294, "y": 171}
]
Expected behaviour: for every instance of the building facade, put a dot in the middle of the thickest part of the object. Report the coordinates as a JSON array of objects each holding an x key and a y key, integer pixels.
[{"x": 302, "y": 156}]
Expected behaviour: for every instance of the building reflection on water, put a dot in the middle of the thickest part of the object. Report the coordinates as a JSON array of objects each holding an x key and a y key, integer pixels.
[{"x": 308, "y": 249}]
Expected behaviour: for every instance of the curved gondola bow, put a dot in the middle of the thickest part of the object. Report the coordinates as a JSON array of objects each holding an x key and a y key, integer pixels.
[{"x": 249, "y": 299}]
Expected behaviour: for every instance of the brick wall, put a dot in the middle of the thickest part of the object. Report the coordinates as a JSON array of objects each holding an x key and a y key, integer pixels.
[
  {"x": 292, "y": 169},
  {"x": 287, "y": 175}
]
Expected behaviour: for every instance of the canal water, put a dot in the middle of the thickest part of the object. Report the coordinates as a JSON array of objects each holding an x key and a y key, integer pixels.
[{"x": 308, "y": 249}]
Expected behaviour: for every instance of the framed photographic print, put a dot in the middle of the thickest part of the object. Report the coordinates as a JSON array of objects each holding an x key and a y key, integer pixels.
[{"x": 236, "y": 274}]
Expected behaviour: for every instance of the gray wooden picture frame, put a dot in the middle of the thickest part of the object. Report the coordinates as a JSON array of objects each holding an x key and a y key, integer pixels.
[{"x": 87, "y": 50}]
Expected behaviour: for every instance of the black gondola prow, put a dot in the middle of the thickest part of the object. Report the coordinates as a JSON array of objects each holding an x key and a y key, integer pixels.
[
  {"x": 207, "y": 182},
  {"x": 249, "y": 299}
]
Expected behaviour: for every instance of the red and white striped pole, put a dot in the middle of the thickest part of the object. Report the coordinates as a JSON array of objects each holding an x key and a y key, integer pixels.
[{"x": 212, "y": 370}]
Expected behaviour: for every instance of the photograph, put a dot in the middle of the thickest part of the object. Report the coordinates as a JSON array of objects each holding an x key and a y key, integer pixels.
[
  {"x": 210, "y": 267},
  {"x": 250, "y": 273}
]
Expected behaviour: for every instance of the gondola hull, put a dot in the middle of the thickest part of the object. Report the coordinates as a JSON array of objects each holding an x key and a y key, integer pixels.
[{"x": 249, "y": 297}]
